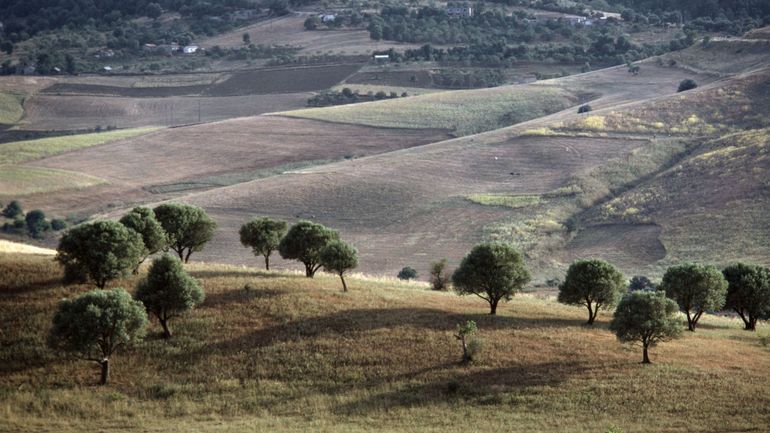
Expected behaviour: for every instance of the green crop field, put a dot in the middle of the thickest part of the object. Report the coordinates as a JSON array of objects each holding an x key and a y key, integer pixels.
[
  {"x": 21, "y": 151},
  {"x": 11, "y": 109},
  {"x": 464, "y": 112},
  {"x": 19, "y": 180}
]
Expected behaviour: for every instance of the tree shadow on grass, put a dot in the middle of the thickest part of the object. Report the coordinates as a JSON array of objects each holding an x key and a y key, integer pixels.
[
  {"x": 351, "y": 322},
  {"x": 238, "y": 296},
  {"x": 244, "y": 273},
  {"x": 468, "y": 385},
  {"x": 12, "y": 289}
]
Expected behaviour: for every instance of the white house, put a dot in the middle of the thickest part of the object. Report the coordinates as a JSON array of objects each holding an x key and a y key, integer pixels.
[
  {"x": 459, "y": 11},
  {"x": 190, "y": 49}
]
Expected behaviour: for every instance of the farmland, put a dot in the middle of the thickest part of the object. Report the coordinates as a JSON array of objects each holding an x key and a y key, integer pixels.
[{"x": 292, "y": 352}]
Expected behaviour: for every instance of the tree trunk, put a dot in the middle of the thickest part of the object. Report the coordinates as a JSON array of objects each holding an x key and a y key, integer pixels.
[
  {"x": 645, "y": 357},
  {"x": 493, "y": 307},
  {"x": 752, "y": 323},
  {"x": 309, "y": 271},
  {"x": 591, "y": 314},
  {"x": 344, "y": 286},
  {"x": 181, "y": 254},
  {"x": 187, "y": 257},
  {"x": 690, "y": 322},
  {"x": 746, "y": 322},
  {"x": 267, "y": 262},
  {"x": 105, "y": 363},
  {"x": 166, "y": 331}
]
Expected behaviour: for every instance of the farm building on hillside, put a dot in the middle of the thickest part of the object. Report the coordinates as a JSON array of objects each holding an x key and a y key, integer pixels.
[
  {"x": 190, "y": 49},
  {"x": 327, "y": 18},
  {"x": 459, "y": 11},
  {"x": 381, "y": 57},
  {"x": 574, "y": 20}
]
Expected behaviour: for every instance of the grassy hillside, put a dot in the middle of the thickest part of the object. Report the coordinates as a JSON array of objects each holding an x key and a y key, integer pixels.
[
  {"x": 22, "y": 151},
  {"x": 293, "y": 354},
  {"x": 464, "y": 112},
  {"x": 712, "y": 206},
  {"x": 16, "y": 181},
  {"x": 11, "y": 109}
]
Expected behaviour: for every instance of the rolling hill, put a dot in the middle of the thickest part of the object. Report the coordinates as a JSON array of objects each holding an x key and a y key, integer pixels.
[{"x": 293, "y": 353}]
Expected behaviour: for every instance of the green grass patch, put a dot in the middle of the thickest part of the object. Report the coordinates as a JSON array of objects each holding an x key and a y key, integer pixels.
[
  {"x": 11, "y": 109},
  {"x": 21, "y": 151},
  {"x": 462, "y": 111},
  {"x": 513, "y": 201},
  {"x": 18, "y": 180}
]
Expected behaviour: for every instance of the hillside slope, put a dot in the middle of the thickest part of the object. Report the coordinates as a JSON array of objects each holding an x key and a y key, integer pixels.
[{"x": 293, "y": 354}]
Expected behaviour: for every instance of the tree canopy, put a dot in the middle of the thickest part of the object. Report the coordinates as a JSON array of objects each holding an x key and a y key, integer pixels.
[
  {"x": 95, "y": 324},
  {"x": 493, "y": 272},
  {"x": 304, "y": 243},
  {"x": 647, "y": 318},
  {"x": 188, "y": 228},
  {"x": 593, "y": 283},
  {"x": 168, "y": 291},
  {"x": 696, "y": 288},
  {"x": 101, "y": 251},
  {"x": 263, "y": 235},
  {"x": 339, "y": 257},
  {"x": 142, "y": 220},
  {"x": 13, "y": 210},
  {"x": 748, "y": 292}
]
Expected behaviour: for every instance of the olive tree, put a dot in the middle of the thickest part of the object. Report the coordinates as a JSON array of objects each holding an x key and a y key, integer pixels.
[
  {"x": 696, "y": 288},
  {"x": 142, "y": 220},
  {"x": 339, "y": 257},
  {"x": 168, "y": 291},
  {"x": 95, "y": 324},
  {"x": 263, "y": 236},
  {"x": 748, "y": 292},
  {"x": 304, "y": 243},
  {"x": 594, "y": 284},
  {"x": 36, "y": 223},
  {"x": 188, "y": 228},
  {"x": 493, "y": 272},
  {"x": 101, "y": 251},
  {"x": 648, "y": 318}
]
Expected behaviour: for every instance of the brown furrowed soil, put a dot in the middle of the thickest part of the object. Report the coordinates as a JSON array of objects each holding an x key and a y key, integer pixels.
[
  {"x": 223, "y": 153},
  {"x": 49, "y": 112},
  {"x": 283, "y": 80}
]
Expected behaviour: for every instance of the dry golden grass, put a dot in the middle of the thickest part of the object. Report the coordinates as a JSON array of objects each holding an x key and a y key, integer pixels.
[
  {"x": 9, "y": 247},
  {"x": 293, "y": 354}
]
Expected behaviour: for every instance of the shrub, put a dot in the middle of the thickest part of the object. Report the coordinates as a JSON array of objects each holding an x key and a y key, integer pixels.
[
  {"x": 640, "y": 282},
  {"x": 96, "y": 323},
  {"x": 13, "y": 210},
  {"x": 471, "y": 346},
  {"x": 36, "y": 223},
  {"x": 647, "y": 318},
  {"x": 101, "y": 251},
  {"x": 593, "y": 283},
  {"x": 407, "y": 273},
  {"x": 493, "y": 272},
  {"x": 188, "y": 228},
  {"x": 263, "y": 235},
  {"x": 439, "y": 279},
  {"x": 687, "y": 84},
  {"x": 58, "y": 224},
  {"x": 339, "y": 257},
  {"x": 696, "y": 289},
  {"x": 304, "y": 243},
  {"x": 584, "y": 109},
  {"x": 169, "y": 291}
]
